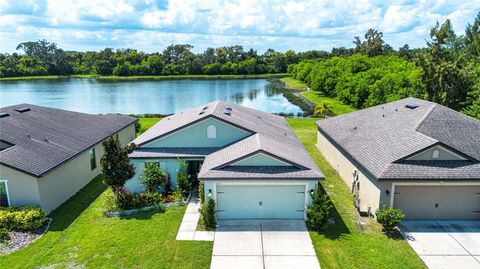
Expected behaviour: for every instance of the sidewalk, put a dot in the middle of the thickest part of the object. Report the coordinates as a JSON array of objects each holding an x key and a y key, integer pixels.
[{"x": 188, "y": 226}]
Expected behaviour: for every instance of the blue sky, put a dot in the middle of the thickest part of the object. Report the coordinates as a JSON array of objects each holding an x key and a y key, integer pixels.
[{"x": 151, "y": 25}]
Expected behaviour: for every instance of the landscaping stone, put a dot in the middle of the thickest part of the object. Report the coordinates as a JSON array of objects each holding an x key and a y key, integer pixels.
[{"x": 21, "y": 239}]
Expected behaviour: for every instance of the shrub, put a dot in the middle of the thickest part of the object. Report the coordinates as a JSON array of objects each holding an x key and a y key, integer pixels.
[
  {"x": 110, "y": 203},
  {"x": 178, "y": 196},
  {"x": 22, "y": 217},
  {"x": 201, "y": 195},
  {"x": 4, "y": 235},
  {"x": 319, "y": 212},
  {"x": 183, "y": 182},
  {"x": 152, "y": 177},
  {"x": 208, "y": 213},
  {"x": 389, "y": 218},
  {"x": 128, "y": 200}
]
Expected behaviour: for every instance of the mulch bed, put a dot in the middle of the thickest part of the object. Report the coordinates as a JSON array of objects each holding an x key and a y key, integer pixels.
[{"x": 21, "y": 239}]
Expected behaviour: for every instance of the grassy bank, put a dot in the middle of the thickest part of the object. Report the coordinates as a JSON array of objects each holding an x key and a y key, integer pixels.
[
  {"x": 344, "y": 244},
  {"x": 258, "y": 76},
  {"x": 294, "y": 84},
  {"x": 316, "y": 97}
]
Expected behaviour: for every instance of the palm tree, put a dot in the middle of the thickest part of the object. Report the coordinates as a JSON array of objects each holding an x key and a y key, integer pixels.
[{"x": 324, "y": 110}]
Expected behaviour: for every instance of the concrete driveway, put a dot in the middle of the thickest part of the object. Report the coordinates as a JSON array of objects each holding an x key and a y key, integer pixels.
[
  {"x": 263, "y": 244},
  {"x": 445, "y": 244}
]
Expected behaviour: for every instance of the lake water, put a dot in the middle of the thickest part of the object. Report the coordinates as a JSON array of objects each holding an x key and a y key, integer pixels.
[{"x": 143, "y": 96}]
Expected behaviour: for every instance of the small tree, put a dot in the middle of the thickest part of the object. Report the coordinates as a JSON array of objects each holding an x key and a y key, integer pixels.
[
  {"x": 389, "y": 218},
  {"x": 152, "y": 177},
  {"x": 183, "y": 182},
  {"x": 116, "y": 168},
  {"x": 324, "y": 110},
  {"x": 208, "y": 213},
  {"x": 319, "y": 212}
]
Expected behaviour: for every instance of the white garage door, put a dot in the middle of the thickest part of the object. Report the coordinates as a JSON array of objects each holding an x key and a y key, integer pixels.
[
  {"x": 260, "y": 201},
  {"x": 438, "y": 202}
]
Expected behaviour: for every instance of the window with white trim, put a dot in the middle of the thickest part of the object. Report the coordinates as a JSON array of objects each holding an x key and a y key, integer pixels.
[
  {"x": 211, "y": 132},
  {"x": 4, "y": 199}
]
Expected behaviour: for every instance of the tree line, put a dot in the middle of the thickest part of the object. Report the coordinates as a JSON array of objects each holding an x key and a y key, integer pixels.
[
  {"x": 446, "y": 71},
  {"x": 45, "y": 58}
]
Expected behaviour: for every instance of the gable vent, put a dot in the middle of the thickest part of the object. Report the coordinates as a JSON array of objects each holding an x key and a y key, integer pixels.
[
  {"x": 3, "y": 115},
  {"x": 23, "y": 109},
  {"x": 411, "y": 106}
]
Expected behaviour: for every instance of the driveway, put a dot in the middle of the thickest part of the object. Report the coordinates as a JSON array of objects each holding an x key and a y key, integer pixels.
[
  {"x": 445, "y": 244},
  {"x": 263, "y": 244}
]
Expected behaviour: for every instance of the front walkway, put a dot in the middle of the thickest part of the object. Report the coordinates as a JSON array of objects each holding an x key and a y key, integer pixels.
[
  {"x": 445, "y": 244},
  {"x": 263, "y": 244},
  {"x": 188, "y": 226}
]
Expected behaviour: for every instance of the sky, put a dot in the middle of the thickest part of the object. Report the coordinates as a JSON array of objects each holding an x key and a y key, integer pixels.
[{"x": 150, "y": 25}]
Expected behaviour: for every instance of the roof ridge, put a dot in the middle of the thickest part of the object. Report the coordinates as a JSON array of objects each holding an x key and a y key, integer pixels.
[{"x": 429, "y": 111}]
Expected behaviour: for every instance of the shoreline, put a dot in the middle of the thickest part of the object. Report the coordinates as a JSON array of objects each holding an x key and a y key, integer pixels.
[{"x": 170, "y": 77}]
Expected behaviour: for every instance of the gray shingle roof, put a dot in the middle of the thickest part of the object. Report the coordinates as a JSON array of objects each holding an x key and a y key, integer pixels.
[
  {"x": 69, "y": 133},
  {"x": 269, "y": 133},
  {"x": 378, "y": 138}
]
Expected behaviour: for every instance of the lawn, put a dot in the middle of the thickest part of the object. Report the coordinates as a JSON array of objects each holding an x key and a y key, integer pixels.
[
  {"x": 80, "y": 236},
  {"x": 146, "y": 123},
  {"x": 294, "y": 83},
  {"x": 345, "y": 245},
  {"x": 318, "y": 98}
]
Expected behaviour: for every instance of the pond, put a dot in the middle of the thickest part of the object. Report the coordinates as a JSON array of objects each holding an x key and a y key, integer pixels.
[{"x": 143, "y": 96}]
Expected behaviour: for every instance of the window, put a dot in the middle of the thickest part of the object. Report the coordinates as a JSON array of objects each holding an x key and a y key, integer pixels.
[
  {"x": 93, "y": 160},
  {"x": 4, "y": 199},
  {"x": 211, "y": 132},
  {"x": 435, "y": 154}
]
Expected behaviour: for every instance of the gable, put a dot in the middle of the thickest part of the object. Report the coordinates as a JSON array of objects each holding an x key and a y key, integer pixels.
[
  {"x": 443, "y": 154},
  {"x": 260, "y": 159},
  {"x": 199, "y": 134}
]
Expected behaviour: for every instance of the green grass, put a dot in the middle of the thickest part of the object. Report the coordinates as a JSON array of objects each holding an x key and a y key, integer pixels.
[
  {"x": 318, "y": 98},
  {"x": 146, "y": 123},
  {"x": 80, "y": 236},
  {"x": 345, "y": 245},
  {"x": 266, "y": 76},
  {"x": 294, "y": 84}
]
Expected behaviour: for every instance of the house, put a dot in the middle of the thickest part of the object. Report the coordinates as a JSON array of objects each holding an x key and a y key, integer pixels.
[
  {"x": 251, "y": 162},
  {"x": 47, "y": 154},
  {"x": 410, "y": 154}
]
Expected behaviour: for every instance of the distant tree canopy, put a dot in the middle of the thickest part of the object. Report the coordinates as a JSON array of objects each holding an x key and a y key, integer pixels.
[
  {"x": 447, "y": 71},
  {"x": 45, "y": 58}
]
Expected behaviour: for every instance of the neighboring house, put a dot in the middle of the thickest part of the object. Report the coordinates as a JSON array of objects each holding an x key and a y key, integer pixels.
[
  {"x": 251, "y": 162},
  {"x": 47, "y": 155},
  {"x": 410, "y": 154}
]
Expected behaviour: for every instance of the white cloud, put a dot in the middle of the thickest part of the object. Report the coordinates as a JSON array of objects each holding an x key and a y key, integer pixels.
[{"x": 149, "y": 25}]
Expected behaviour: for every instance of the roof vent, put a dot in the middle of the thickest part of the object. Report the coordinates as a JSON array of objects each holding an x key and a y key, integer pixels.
[
  {"x": 396, "y": 109},
  {"x": 383, "y": 115},
  {"x": 201, "y": 113},
  {"x": 23, "y": 109},
  {"x": 3, "y": 115},
  {"x": 228, "y": 108},
  {"x": 46, "y": 139},
  {"x": 205, "y": 107},
  {"x": 354, "y": 127},
  {"x": 29, "y": 136},
  {"x": 411, "y": 106},
  {"x": 227, "y": 112}
]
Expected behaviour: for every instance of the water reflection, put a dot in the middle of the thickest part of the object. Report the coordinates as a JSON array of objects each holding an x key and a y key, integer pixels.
[{"x": 143, "y": 96}]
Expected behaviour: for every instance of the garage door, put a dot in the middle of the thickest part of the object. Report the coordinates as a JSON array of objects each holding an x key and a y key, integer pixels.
[
  {"x": 260, "y": 202},
  {"x": 438, "y": 202}
]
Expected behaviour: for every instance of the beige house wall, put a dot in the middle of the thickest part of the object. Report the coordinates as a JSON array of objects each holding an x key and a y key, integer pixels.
[
  {"x": 54, "y": 188},
  {"x": 22, "y": 188},
  {"x": 371, "y": 192}
]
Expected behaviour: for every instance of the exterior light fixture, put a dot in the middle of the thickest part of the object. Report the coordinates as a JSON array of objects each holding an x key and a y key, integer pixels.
[
  {"x": 209, "y": 192},
  {"x": 387, "y": 192}
]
